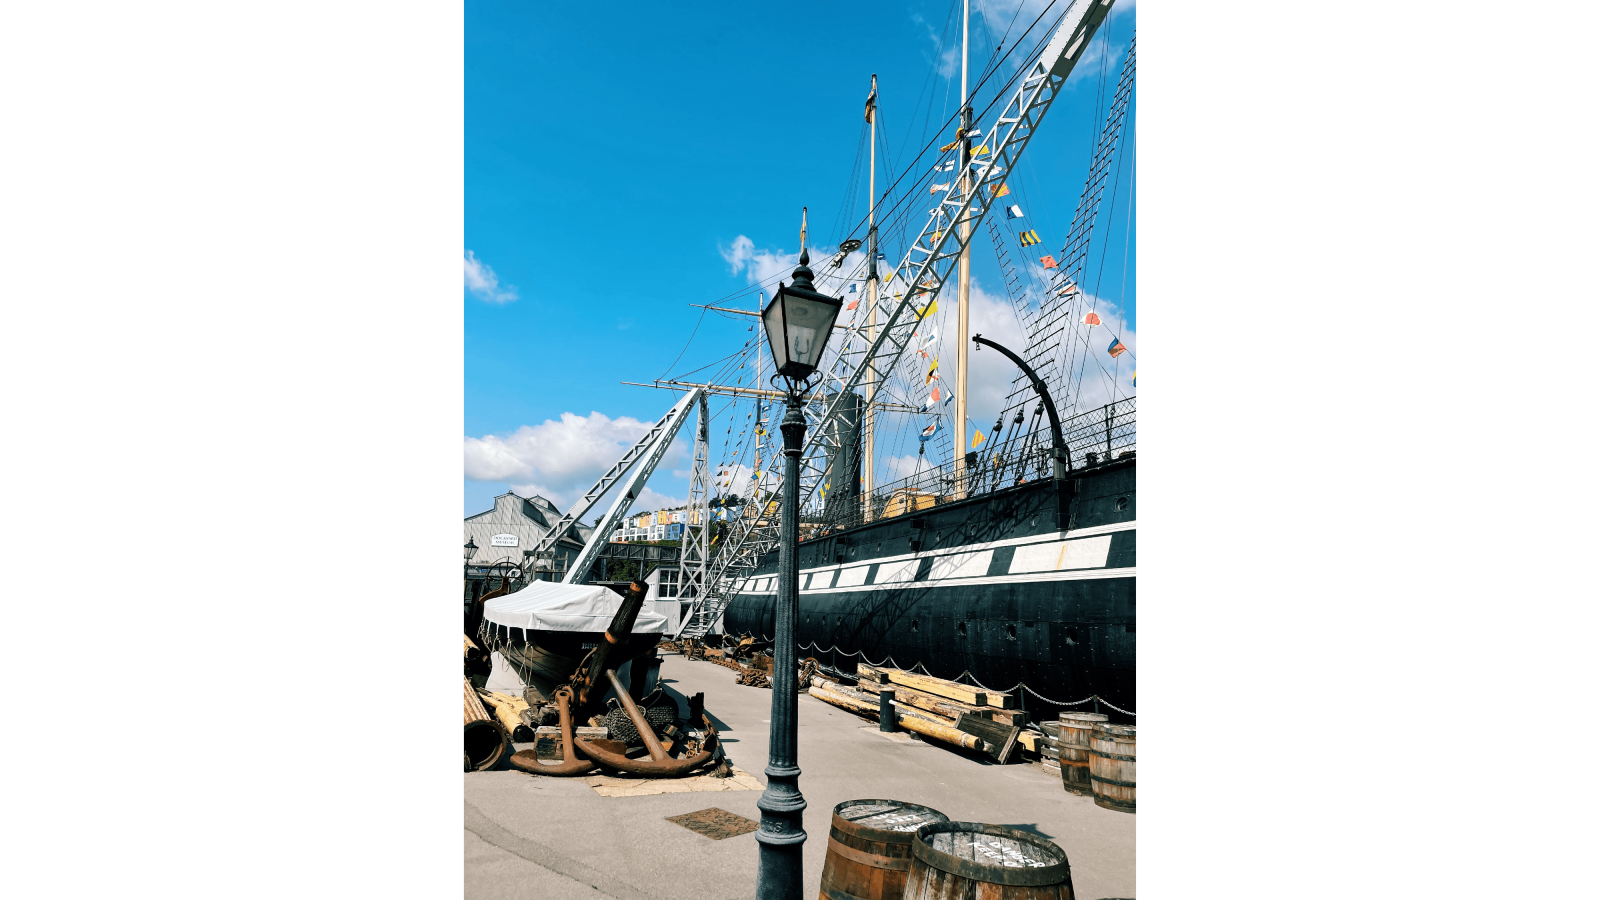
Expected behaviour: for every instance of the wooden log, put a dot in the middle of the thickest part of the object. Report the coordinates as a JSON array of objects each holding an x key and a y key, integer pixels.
[
  {"x": 867, "y": 673},
  {"x": 951, "y": 690},
  {"x": 485, "y": 742},
  {"x": 869, "y": 848},
  {"x": 1032, "y": 741},
  {"x": 508, "y": 710},
  {"x": 923, "y": 700},
  {"x": 925, "y": 725},
  {"x": 999, "y": 740}
]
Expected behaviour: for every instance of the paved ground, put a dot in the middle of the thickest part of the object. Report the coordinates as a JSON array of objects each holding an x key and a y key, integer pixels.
[{"x": 555, "y": 838}]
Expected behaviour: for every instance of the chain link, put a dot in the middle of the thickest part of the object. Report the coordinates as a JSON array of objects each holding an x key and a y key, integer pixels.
[
  {"x": 1117, "y": 708},
  {"x": 1057, "y": 702}
]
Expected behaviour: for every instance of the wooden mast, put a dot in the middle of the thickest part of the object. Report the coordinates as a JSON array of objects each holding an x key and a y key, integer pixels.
[{"x": 963, "y": 274}]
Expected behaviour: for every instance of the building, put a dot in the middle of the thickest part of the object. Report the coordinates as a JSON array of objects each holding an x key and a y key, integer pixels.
[{"x": 507, "y": 534}]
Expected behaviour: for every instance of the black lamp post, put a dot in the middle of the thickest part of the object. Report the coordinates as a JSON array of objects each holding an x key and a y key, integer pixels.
[
  {"x": 798, "y": 322},
  {"x": 468, "y": 551}
]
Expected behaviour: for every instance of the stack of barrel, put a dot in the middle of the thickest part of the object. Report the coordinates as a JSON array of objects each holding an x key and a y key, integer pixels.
[
  {"x": 890, "y": 849},
  {"x": 1096, "y": 758}
]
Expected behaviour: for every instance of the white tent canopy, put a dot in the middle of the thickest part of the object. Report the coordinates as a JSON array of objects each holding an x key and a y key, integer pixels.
[{"x": 552, "y": 606}]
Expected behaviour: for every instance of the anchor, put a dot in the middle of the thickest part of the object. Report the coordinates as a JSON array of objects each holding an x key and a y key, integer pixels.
[
  {"x": 570, "y": 766},
  {"x": 659, "y": 765}
]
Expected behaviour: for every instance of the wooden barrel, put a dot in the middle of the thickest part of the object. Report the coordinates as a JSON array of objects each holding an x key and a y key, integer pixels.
[
  {"x": 1111, "y": 759},
  {"x": 1073, "y": 746},
  {"x": 869, "y": 848},
  {"x": 966, "y": 859}
]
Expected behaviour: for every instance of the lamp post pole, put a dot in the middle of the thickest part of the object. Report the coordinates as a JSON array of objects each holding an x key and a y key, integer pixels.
[
  {"x": 782, "y": 833},
  {"x": 798, "y": 323}
]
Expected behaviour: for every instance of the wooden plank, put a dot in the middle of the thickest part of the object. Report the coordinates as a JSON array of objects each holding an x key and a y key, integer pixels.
[
  {"x": 870, "y": 674},
  {"x": 1015, "y": 717},
  {"x": 1002, "y": 738},
  {"x": 923, "y": 700},
  {"x": 1030, "y": 740},
  {"x": 951, "y": 690}
]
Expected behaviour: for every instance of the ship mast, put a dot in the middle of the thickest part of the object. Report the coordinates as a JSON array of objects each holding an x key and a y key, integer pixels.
[
  {"x": 870, "y": 386},
  {"x": 963, "y": 274}
]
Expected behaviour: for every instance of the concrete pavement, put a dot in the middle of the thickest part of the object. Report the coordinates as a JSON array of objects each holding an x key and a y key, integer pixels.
[{"x": 555, "y": 838}]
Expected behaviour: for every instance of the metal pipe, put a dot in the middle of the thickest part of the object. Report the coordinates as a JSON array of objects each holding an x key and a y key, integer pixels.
[{"x": 1058, "y": 445}]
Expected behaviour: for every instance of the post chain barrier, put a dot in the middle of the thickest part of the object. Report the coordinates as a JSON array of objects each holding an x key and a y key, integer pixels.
[{"x": 965, "y": 673}]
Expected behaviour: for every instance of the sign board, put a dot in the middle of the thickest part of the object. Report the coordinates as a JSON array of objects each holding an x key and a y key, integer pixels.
[{"x": 503, "y": 540}]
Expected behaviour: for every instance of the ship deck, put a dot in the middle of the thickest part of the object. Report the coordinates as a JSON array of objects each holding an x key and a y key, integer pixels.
[{"x": 558, "y": 838}]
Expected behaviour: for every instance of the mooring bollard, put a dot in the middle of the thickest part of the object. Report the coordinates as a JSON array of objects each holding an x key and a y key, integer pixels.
[{"x": 886, "y": 720}]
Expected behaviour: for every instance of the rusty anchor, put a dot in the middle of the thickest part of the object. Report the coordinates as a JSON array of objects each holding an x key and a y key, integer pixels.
[
  {"x": 659, "y": 765},
  {"x": 570, "y": 766}
]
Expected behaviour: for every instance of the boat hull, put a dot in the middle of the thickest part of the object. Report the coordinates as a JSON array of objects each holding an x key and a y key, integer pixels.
[{"x": 988, "y": 586}]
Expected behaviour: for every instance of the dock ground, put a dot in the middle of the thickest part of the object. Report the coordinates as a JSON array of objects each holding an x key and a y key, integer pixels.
[{"x": 558, "y": 839}]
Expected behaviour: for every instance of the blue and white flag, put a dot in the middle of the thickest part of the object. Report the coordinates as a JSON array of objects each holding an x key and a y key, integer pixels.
[
  {"x": 930, "y": 431},
  {"x": 852, "y": 288},
  {"x": 1013, "y": 212}
]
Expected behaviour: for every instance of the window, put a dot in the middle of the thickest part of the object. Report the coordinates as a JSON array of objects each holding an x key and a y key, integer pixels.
[{"x": 670, "y": 580}]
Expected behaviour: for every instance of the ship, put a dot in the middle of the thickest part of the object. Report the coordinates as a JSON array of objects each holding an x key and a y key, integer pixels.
[{"x": 991, "y": 568}]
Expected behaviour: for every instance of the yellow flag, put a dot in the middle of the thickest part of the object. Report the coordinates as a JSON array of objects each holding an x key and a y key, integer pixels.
[
  {"x": 950, "y": 146},
  {"x": 977, "y": 438},
  {"x": 981, "y": 150},
  {"x": 932, "y": 308}
]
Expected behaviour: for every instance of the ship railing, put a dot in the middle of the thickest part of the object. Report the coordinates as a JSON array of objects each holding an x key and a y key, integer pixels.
[{"x": 1093, "y": 438}]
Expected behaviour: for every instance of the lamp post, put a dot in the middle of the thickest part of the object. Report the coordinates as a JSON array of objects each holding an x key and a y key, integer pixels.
[
  {"x": 798, "y": 323},
  {"x": 468, "y": 551}
]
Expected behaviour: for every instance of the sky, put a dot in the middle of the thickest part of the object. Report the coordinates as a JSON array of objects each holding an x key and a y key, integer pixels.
[{"x": 625, "y": 162}]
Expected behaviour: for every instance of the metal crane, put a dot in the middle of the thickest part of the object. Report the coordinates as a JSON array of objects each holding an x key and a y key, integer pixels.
[{"x": 926, "y": 265}]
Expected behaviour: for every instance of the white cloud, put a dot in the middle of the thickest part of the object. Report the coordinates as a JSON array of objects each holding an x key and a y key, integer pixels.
[
  {"x": 560, "y": 460},
  {"x": 483, "y": 283}
]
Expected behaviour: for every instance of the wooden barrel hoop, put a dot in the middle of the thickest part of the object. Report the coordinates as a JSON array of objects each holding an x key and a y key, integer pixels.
[{"x": 992, "y": 854}]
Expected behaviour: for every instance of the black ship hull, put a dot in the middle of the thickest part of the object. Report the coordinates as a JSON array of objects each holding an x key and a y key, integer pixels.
[{"x": 988, "y": 585}]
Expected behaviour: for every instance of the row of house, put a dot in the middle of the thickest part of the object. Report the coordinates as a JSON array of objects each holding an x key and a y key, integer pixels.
[{"x": 661, "y": 525}]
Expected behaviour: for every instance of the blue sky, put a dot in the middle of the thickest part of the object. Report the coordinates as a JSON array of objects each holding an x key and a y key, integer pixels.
[{"x": 614, "y": 156}]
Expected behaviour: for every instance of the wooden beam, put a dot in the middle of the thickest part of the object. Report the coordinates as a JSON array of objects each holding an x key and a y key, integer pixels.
[
  {"x": 952, "y": 690},
  {"x": 999, "y": 740}
]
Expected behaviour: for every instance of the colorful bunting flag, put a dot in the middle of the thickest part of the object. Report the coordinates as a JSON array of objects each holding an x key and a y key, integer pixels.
[
  {"x": 932, "y": 308},
  {"x": 1135, "y": 377},
  {"x": 930, "y": 431},
  {"x": 977, "y": 438},
  {"x": 1116, "y": 349},
  {"x": 950, "y": 146},
  {"x": 933, "y": 373},
  {"x": 1002, "y": 191},
  {"x": 1048, "y": 261},
  {"x": 1013, "y": 212},
  {"x": 852, "y": 288},
  {"x": 1090, "y": 318},
  {"x": 936, "y": 188},
  {"x": 852, "y": 305},
  {"x": 981, "y": 150},
  {"x": 975, "y": 133},
  {"x": 1029, "y": 238},
  {"x": 1067, "y": 288},
  {"x": 949, "y": 166}
]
